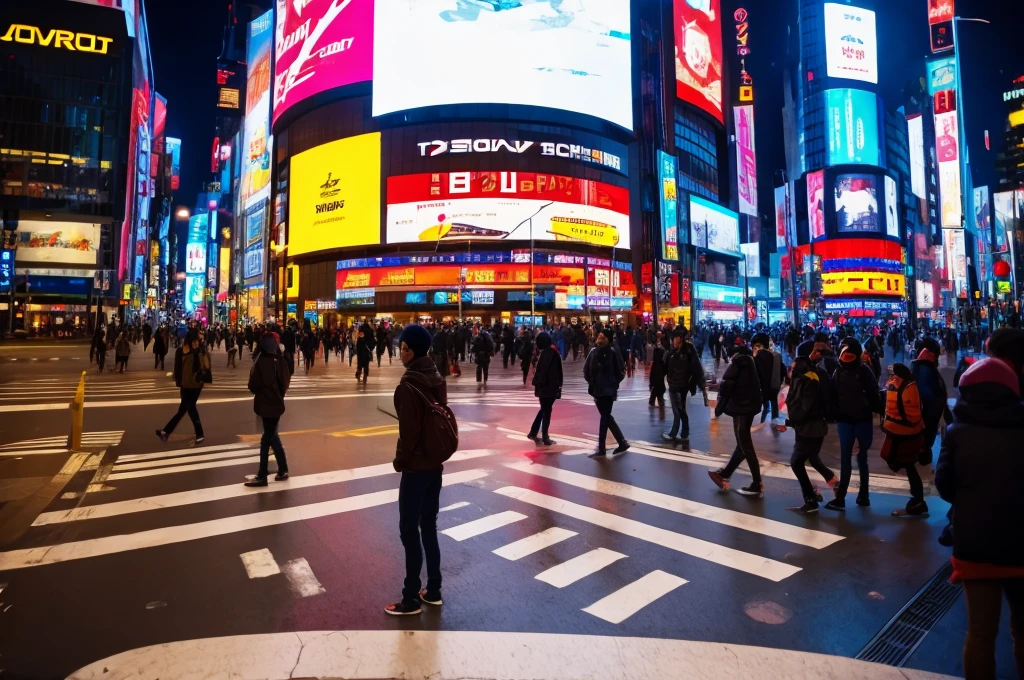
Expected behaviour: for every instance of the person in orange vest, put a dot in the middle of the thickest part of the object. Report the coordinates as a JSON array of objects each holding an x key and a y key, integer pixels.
[{"x": 903, "y": 425}]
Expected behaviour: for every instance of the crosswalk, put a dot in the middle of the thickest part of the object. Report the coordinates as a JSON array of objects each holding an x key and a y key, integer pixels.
[{"x": 59, "y": 444}]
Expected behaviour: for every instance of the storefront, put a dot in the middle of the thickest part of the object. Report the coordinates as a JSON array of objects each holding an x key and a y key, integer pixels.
[{"x": 715, "y": 303}]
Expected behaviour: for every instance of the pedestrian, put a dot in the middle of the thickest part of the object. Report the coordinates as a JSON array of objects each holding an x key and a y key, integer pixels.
[
  {"x": 656, "y": 378},
  {"x": 806, "y": 407},
  {"x": 769, "y": 373},
  {"x": 603, "y": 371},
  {"x": 364, "y": 352},
  {"x": 932, "y": 389},
  {"x": 685, "y": 375},
  {"x": 425, "y": 427},
  {"x": 903, "y": 424},
  {"x": 483, "y": 349},
  {"x": 160, "y": 346},
  {"x": 381, "y": 342},
  {"x": 508, "y": 339},
  {"x": 192, "y": 370},
  {"x": 122, "y": 350},
  {"x": 526, "y": 352},
  {"x": 979, "y": 471},
  {"x": 309, "y": 349},
  {"x": 547, "y": 387},
  {"x": 439, "y": 350},
  {"x": 229, "y": 345},
  {"x": 288, "y": 341},
  {"x": 740, "y": 397},
  {"x": 147, "y": 334},
  {"x": 268, "y": 382},
  {"x": 856, "y": 400}
]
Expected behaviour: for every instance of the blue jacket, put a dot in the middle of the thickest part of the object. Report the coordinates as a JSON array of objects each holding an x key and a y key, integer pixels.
[{"x": 933, "y": 391}]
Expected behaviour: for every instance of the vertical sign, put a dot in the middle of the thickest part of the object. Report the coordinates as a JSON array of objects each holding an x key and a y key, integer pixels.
[
  {"x": 746, "y": 164},
  {"x": 816, "y": 204},
  {"x": 942, "y": 85},
  {"x": 746, "y": 83},
  {"x": 940, "y": 24},
  {"x": 669, "y": 207},
  {"x": 780, "y": 218}
]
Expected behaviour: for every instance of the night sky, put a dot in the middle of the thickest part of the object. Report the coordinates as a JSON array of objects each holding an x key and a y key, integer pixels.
[{"x": 186, "y": 35}]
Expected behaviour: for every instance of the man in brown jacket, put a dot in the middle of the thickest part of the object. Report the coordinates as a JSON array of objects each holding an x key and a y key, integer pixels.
[{"x": 419, "y": 494}]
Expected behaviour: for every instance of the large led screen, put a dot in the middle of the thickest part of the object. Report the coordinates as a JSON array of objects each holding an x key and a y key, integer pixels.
[
  {"x": 320, "y": 45},
  {"x": 856, "y": 203},
  {"x": 335, "y": 196},
  {"x": 947, "y": 147},
  {"x": 195, "y": 258},
  {"x": 915, "y": 139},
  {"x": 852, "y": 121},
  {"x": 667, "y": 169},
  {"x": 497, "y": 206},
  {"x": 892, "y": 220},
  {"x": 863, "y": 283},
  {"x": 816, "y": 204},
  {"x": 714, "y": 227},
  {"x": 1002, "y": 207},
  {"x": 57, "y": 242},
  {"x": 699, "y": 64},
  {"x": 563, "y": 55},
  {"x": 780, "y": 218},
  {"x": 941, "y": 75},
  {"x": 851, "y": 46},
  {"x": 195, "y": 292},
  {"x": 746, "y": 163},
  {"x": 256, "y": 160}
]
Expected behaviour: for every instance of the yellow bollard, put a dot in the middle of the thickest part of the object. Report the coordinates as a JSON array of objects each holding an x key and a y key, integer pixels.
[{"x": 77, "y": 415}]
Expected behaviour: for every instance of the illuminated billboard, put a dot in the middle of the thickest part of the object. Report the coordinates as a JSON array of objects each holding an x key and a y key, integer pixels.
[
  {"x": 816, "y": 204},
  {"x": 173, "y": 146},
  {"x": 852, "y": 122},
  {"x": 195, "y": 258},
  {"x": 572, "y": 56},
  {"x": 746, "y": 164},
  {"x": 862, "y": 283},
  {"x": 667, "y": 167},
  {"x": 941, "y": 75},
  {"x": 915, "y": 139},
  {"x": 714, "y": 227},
  {"x": 195, "y": 292},
  {"x": 780, "y": 218},
  {"x": 856, "y": 203},
  {"x": 496, "y": 206},
  {"x": 947, "y": 145},
  {"x": 51, "y": 243},
  {"x": 699, "y": 64},
  {"x": 256, "y": 147},
  {"x": 892, "y": 215},
  {"x": 1002, "y": 207},
  {"x": 335, "y": 195},
  {"x": 940, "y": 24},
  {"x": 320, "y": 45},
  {"x": 851, "y": 46}
]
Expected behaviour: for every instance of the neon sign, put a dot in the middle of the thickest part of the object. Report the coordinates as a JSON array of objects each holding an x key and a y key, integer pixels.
[{"x": 69, "y": 40}]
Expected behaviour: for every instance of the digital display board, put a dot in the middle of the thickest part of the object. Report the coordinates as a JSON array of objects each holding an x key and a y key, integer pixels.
[
  {"x": 892, "y": 219},
  {"x": 915, "y": 139},
  {"x": 816, "y": 204},
  {"x": 252, "y": 265},
  {"x": 667, "y": 169},
  {"x": 714, "y": 227},
  {"x": 56, "y": 242},
  {"x": 320, "y": 45},
  {"x": 851, "y": 46},
  {"x": 195, "y": 291},
  {"x": 940, "y": 24},
  {"x": 857, "y": 203},
  {"x": 863, "y": 283},
  {"x": 941, "y": 75},
  {"x": 752, "y": 258},
  {"x": 494, "y": 206},
  {"x": 852, "y": 123},
  {"x": 415, "y": 298},
  {"x": 947, "y": 146},
  {"x": 173, "y": 146},
  {"x": 335, "y": 195},
  {"x": 698, "y": 54},
  {"x": 573, "y": 56},
  {"x": 746, "y": 163},
  {"x": 195, "y": 258},
  {"x": 1002, "y": 207},
  {"x": 780, "y": 218},
  {"x": 255, "y": 184}
]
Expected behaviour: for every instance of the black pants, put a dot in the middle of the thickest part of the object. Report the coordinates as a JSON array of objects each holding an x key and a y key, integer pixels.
[
  {"x": 543, "y": 420},
  {"x": 657, "y": 395},
  {"x": 505, "y": 355},
  {"x": 189, "y": 397},
  {"x": 916, "y": 485},
  {"x": 232, "y": 353},
  {"x": 271, "y": 440},
  {"x": 363, "y": 369},
  {"x": 525, "y": 363},
  {"x": 481, "y": 370},
  {"x": 419, "y": 498},
  {"x": 771, "y": 400},
  {"x": 101, "y": 359},
  {"x": 744, "y": 449},
  {"x": 158, "y": 361},
  {"x": 604, "y": 407},
  {"x": 808, "y": 450}
]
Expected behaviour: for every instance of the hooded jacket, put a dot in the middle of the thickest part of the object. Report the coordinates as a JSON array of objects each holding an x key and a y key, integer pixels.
[
  {"x": 547, "y": 378},
  {"x": 421, "y": 374},
  {"x": 979, "y": 472},
  {"x": 805, "y": 402},
  {"x": 269, "y": 377},
  {"x": 365, "y": 344},
  {"x": 683, "y": 369},
  {"x": 604, "y": 369},
  {"x": 931, "y": 386},
  {"x": 902, "y": 404},
  {"x": 740, "y": 392},
  {"x": 855, "y": 393}
]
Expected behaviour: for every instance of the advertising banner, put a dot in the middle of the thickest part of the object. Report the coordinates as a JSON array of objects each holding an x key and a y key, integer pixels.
[
  {"x": 746, "y": 163},
  {"x": 857, "y": 203},
  {"x": 780, "y": 218},
  {"x": 892, "y": 208},
  {"x": 224, "y": 271},
  {"x": 863, "y": 283},
  {"x": 57, "y": 242},
  {"x": 173, "y": 146},
  {"x": 941, "y": 75},
  {"x": 494, "y": 206},
  {"x": 335, "y": 195},
  {"x": 1002, "y": 207},
  {"x": 956, "y": 256},
  {"x": 940, "y": 24},
  {"x": 851, "y": 46},
  {"x": 256, "y": 147},
  {"x": 699, "y": 64},
  {"x": 915, "y": 139},
  {"x": 816, "y": 204},
  {"x": 667, "y": 168},
  {"x": 852, "y": 121},
  {"x": 571, "y": 56},
  {"x": 947, "y": 144},
  {"x": 714, "y": 227},
  {"x": 320, "y": 45},
  {"x": 195, "y": 291},
  {"x": 752, "y": 258},
  {"x": 195, "y": 258}
]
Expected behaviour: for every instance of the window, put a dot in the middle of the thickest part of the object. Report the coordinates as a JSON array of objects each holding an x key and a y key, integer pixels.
[{"x": 697, "y": 150}]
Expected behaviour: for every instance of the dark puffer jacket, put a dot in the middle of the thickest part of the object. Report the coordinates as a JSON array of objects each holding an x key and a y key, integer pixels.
[
  {"x": 740, "y": 393},
  {"x": 604, "y": 370},
  {"x": 268, "y": 379},
  {"x": 421, "y": 375},
  {"x": 547, "y": 379}
]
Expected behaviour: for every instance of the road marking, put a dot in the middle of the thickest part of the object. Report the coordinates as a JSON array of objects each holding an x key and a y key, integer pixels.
[
  {"x": 368, "y": 431},
  {"x": 260, "y": 563},
  {"x": 454, "y": 506},
  {"x": 148, "y": 464},
  {"x": 631, "y": 598},
  {"x": 731, "y": 518},
  {"x": 174, "y": 500},
  {"x": 181, "y": 452},
  {"x": 570, "y": 571},
  {"x": 136, "y": 474},
  {"x": 535, "y": 543},
  {"x": 108, "y": 545},
  {"x": 301, "y": 579},
  {"x": 13, "y": 408},
  {"x": 688, "y": 545},
  {"x": 483, "y": 525}
]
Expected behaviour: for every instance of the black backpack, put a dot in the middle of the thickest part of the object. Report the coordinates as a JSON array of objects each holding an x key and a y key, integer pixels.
[{"x": 440, "y": 430}]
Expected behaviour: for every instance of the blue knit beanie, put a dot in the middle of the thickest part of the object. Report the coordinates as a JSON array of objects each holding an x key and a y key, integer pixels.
[{"x": 417, "y": 338}]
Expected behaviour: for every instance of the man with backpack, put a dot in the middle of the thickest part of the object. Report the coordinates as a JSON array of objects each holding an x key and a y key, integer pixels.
[
  {"x": 769, "y": 372},
  {"x": 427, "y": 437},
  {"x": 684, "y": 374},
  {"x": 807, "y": 417},
  {"x": 903, "y": 424},
  {"x": 856, "y": 401}
]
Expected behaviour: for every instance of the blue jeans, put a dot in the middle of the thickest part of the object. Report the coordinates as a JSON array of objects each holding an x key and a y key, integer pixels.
[
  {"x": 680, "y": 420},
  {"x": 862, "y": 432}
]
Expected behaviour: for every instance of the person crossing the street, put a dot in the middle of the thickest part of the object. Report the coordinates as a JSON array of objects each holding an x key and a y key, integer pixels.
[
  {"x": 483, "y": 350},
  {"x": 192, "y": 370},
  {"x": 806, "y": 405},
  {"x": 740, "y": 397},
  {"x": 603, "y": 370},
  {"x": 855, "y": 399},
  {"x": 524, "y": 347},
  {"x": 364, "y": 352},
  {"x": 903, "y": 424},
  {"x": 268, "y": 381},
  {"x": 685, "y": 375},
  {"x": 547, "y": 383}
]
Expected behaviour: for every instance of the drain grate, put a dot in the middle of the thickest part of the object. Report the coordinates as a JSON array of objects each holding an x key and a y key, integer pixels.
[{"x": 898, "y": 639}]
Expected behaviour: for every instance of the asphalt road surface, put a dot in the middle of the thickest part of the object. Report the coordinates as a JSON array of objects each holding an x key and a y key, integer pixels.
[{"x": 136, "y": 556}]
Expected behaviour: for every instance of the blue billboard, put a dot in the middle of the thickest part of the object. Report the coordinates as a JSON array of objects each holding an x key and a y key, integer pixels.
[
  {"x": 851, "y": 117},
  {"x": 667, "y": 169}
]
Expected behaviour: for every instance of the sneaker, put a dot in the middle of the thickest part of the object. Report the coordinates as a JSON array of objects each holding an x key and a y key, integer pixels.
[
  {"x": 256, "y": 481},
  {"x": 547, "y": 442},
  {"x": 818, "y": 498},
  {"x": 600, "y": 453},
  {"x": 752, "y": 490},
  {"x": 532, "y": 437},
  {"x": 668, "y": 437},
  {"x": 433, "y": 599},
  {"x": 621, "y": 448},
  {"x": 807, "y": 508},
  {"x": 946, "y": 537},
  {"x": 162, "y": 435},
  {"x": 199, "y": 440},
  {"x": 912, "y": 510},
  {"x": 281, "y": 476},
  {"x": 402, "y": 608},
  {"x": 837, "y": 504},
  {"x": 720, "y": 481},
  {"x": 863, "y": 501}
]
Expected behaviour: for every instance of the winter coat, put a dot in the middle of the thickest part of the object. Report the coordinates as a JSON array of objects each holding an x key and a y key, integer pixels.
[
  {"x": 364, "y": 346},
  {"x": 411, "y": 408},
  {"x": 657, "y": 375},
  {"x": 683, "y": 369},
  {"x": 483, "y": 348},
  {"x": 603, "y": 370},
  {"x": 547, "y": 378},
  {"x": 855, "y": 396},
  {"x": 160, "y": 343},
  {"x": 769, "y": 370},
  {"x": 805, "y": 404},
  {"x": 124, "y": 347},
  {"x": 902, "y": 416},
  {"x": 932, "y": 389},
  {"x": 187, "y": 367},
  {"x": 740, "y": 391},
  {"x": 525, "y": 353},
  {"x": 268, "y": 380}
]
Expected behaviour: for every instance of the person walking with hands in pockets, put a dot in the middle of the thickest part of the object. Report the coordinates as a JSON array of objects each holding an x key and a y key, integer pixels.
[
  {"x": 603, "y": 370},
  {"x": 268, "y": 381}
]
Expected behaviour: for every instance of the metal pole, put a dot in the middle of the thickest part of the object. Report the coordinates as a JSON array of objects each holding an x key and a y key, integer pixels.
[
  {"x": 792, "y": 259},
  {"x": 533, "y": 285}
]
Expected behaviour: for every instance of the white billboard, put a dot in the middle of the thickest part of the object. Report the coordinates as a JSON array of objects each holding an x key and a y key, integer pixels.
[
  {"x": 892, "y": 214},
  {"x": 851, "y": 45},
  {"x": 195, "y": 258},
  {"x": 947, "y": 146},
  {"x": 746, "y": 164},
  {"x": 57, "y": 242},
  {"x": 915, "y": 138}
]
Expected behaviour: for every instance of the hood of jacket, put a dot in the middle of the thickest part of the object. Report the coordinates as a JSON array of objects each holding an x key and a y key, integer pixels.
[
  {"x": 990, "y": 396},
  {"x": 422, "y": 374},
  {"x": 268, "y": 344}
]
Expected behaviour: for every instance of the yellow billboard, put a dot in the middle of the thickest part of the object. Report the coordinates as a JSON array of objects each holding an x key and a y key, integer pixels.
[
  {"x": 334, "y": 199},
  {"x": 863, "y": 283}
]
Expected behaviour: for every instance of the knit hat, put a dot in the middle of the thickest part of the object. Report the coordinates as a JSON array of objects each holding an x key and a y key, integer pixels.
[
  {"x": 416, "y": 338},
  {"x": 608, "y": 333},
  {"x": 760, "y": 339},
  {"x": 851, "y": 350},
  {"x": 991, "y": 370},
  {"x": 543, "y": 340}
]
